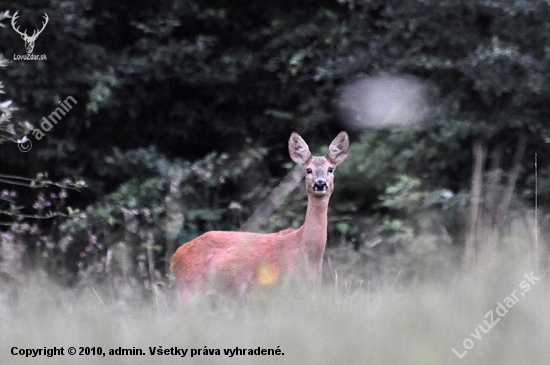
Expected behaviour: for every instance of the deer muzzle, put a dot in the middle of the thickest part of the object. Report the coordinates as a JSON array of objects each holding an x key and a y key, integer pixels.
[{"x": 320, "y": 187}]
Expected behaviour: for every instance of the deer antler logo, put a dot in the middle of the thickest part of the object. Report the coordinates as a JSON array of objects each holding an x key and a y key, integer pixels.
[{"x": 29, "y": 40}]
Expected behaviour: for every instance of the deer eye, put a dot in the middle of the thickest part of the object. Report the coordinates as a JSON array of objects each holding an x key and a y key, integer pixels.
[
  {"x": 330, "y": 170},
  {"x": 309, "y": 171}
]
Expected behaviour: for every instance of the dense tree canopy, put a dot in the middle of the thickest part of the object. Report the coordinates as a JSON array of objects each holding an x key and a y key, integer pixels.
[{"x": 204, "y": 94}]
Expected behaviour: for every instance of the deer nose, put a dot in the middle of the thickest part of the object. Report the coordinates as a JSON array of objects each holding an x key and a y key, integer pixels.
[{"x": 320, "y": 186}]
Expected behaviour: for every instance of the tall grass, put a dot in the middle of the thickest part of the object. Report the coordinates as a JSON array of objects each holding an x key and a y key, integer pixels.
[{"x": 416, "y": 322}]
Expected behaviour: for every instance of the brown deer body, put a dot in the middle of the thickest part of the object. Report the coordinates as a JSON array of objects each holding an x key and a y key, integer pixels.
[{"x": 236, "y": 262}]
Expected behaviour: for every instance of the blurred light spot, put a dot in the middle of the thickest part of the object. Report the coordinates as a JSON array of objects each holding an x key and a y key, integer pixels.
[
  {"x": 268, "y": 275},
  {"x": 384, "y": 102}
]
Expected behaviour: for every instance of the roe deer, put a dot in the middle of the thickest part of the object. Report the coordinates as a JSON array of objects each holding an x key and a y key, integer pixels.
[{"x": 235, "y": 262}]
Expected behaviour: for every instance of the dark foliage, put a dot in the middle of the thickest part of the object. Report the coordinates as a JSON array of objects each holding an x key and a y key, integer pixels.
[{"x": 213, "y": 89}]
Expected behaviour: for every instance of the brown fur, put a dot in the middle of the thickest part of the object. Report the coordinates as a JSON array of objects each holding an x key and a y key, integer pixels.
[{"x": 236, "y": 262}]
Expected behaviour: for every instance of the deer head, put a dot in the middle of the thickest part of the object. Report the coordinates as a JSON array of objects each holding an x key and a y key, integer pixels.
[
  {"x": 29, "y": 40},
  {"x": 319, "y": 170}
]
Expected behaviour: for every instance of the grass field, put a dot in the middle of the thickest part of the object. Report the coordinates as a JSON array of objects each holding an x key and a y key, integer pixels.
[{"x": 416, "y": 323}]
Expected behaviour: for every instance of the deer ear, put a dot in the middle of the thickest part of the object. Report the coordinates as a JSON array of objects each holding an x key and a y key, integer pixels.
[
  {"x": 338, "y": 150},
  {"x": 298, "y": 149}
]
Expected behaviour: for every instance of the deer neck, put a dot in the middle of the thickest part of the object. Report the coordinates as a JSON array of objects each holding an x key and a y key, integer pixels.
[{"x": 314, "y": 230}]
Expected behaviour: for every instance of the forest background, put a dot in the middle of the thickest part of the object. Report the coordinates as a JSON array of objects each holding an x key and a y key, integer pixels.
[{"x": 182, "y": 111}]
